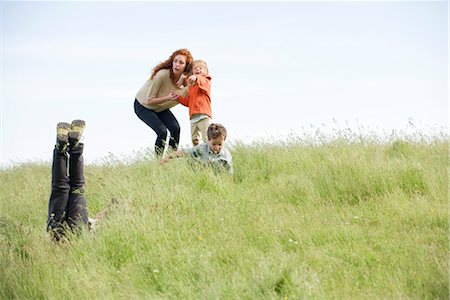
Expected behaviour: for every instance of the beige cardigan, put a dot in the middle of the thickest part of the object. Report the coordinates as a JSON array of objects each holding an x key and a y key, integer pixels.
[{"x": 161, "y": 85}]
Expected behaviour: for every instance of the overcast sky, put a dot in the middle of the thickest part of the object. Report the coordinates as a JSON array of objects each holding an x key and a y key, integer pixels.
[{"x": 278, "y": 68}]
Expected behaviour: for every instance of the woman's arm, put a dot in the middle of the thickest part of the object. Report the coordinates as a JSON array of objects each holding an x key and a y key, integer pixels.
[
  {"x": 155, "y": 86},
  {"x": 160, "y": 100}
]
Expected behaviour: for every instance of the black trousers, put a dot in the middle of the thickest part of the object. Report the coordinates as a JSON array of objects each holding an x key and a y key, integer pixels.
[
  {"x": 160, "y": 122},
  {"x": 67, "y": 205}
]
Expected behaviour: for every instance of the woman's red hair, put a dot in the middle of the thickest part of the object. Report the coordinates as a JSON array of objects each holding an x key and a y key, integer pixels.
[{"x": 167, "y": 64}]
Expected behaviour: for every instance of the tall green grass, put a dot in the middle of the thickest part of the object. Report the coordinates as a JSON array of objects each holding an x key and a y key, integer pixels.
[{"x": 336, "y": 219}]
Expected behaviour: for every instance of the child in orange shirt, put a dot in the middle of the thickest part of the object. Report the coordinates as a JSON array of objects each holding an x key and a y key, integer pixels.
[{"x": 198, "y": 100}]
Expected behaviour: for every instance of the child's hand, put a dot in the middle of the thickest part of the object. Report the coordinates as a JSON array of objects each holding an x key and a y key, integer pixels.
[
  {"x": 192, "y": 79},
  {"x": 178, "y": 153},
  {"x": 180, "y": 81},
  {"x": 164, "y": 160}
]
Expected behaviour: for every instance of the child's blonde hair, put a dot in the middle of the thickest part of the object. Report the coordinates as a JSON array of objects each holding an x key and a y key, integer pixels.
[{"x": 202, "y": 62}]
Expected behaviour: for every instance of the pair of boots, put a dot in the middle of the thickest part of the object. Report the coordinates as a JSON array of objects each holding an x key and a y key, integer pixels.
[
  {"x": 67, "y": 206},
  {"x": 69, "y": 135}
]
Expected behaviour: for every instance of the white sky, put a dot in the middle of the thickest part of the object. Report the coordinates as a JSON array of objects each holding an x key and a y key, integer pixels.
[{"x": 277, "y": 68}]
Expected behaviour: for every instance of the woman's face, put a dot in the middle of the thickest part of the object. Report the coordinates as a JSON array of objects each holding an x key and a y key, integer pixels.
[{"x": 179, "y": 64}]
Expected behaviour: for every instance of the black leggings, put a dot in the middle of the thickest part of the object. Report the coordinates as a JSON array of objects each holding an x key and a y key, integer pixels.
[
  {"x": 160, "y": 122},
  {"x": 67, "y": 204}
]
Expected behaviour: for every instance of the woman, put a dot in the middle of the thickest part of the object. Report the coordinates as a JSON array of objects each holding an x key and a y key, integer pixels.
[{"x": 159, "y": 93}]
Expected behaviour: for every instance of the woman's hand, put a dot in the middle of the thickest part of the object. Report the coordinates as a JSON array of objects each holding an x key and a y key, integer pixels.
[{"x": 172, "y": 96}]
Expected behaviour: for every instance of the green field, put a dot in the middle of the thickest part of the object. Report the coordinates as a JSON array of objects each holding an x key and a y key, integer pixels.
[{"x": 339, "y": 219}]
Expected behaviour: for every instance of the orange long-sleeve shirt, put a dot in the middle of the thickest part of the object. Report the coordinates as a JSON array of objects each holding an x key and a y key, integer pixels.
[{"x": 198, "y": 98}]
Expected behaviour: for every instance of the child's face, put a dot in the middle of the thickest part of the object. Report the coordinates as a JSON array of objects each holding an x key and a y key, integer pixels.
[
  {"x": 199, "y": 69},
  {"x": 216, "y": 144}
]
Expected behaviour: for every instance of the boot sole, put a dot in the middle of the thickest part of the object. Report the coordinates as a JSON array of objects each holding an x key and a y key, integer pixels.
[
  {"x": 77, "y": 128},
  {"x": 62, "y": 132}
]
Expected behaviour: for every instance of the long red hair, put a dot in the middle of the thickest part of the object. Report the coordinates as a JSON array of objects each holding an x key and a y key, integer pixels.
[{"x": 167, "y": 64}]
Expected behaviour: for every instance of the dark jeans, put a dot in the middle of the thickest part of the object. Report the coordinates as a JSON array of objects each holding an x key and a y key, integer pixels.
[
  {"x": 160, "y": 122},
  {"x": 67, "y": 204}
]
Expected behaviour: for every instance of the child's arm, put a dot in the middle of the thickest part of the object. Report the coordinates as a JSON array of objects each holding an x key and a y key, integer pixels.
[
  {"x": 179, "y": 153},
  {"x": 176, "y": 154},
  {"x": 183, "y": 100},
  {"x": 204, "y": 83}
]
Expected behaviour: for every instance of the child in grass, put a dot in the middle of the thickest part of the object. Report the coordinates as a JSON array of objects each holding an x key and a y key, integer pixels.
[
  {"x": 198, "y": 100},
  {"x": 67, "y": 207},
  {"x": 212, "y": 152}
]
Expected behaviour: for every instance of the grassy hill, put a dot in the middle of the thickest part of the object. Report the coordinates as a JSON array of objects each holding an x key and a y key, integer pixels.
[{"x": 340, "y": 219}]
